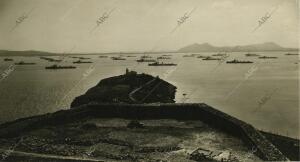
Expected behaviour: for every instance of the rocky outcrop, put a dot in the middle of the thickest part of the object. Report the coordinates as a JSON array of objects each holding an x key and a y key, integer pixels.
[{"x": 128, "y": 88}]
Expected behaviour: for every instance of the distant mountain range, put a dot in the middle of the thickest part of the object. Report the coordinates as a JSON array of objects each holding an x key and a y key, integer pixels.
[
  {"x": 206, "y": 47},
  {"x": 24, "y": 53}
]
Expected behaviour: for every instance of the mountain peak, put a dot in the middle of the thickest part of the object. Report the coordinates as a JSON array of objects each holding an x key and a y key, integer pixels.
[
  {"x": 205, "y": 44},
  {"x": 271, "y": 44},
  {"x": 196, "y": 46},
  {"x": 206, "y": 47}
]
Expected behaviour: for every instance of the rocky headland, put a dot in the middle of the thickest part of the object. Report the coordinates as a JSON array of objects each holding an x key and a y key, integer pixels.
[{"x": 129, "y": 88}]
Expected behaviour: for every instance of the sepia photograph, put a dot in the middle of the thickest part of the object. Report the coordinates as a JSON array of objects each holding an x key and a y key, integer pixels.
[{"x": 149, "y": 80}]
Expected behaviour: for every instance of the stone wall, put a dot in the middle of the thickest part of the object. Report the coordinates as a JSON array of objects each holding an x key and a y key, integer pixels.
[{"x": 251, "y": 137}]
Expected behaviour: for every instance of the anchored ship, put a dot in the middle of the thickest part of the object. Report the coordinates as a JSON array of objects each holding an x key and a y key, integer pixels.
[
  {"x": 163, "y": 57},
  {"x": 145, "y": 60},
  {"x": 238, "y": 62},
  {"x": 219, "y": 54},
  {"x": 291, "y": 54},
  {"x": 82, "y": 58},
  {"x": 59, "y": 67},
  {"x": 162, "y": 64},
  {"x": 251, "y": 54},
  {"x": 117, "y": 58},
  {"x": 8, "y": 59},
  {"x": 267, "y": 57},
  {"x": 202, "y": 56},
  {"x": 82, "y": 62},
  {"x": 50, "y": 59},
  {"x": 144, "y": 57},
  {"x": 25, "y": 63},
  {"x": 211, "y": 58}
]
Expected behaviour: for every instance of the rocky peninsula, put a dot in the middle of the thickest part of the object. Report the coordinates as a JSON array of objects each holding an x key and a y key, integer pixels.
[{"x": 129, "y": 88}]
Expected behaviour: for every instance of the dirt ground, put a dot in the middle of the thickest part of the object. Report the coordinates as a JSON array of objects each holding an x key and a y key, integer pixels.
[{"x": 113, "y": 140}]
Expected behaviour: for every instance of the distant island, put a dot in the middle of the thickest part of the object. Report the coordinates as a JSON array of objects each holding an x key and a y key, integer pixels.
[{"x": 206, "y": 47}]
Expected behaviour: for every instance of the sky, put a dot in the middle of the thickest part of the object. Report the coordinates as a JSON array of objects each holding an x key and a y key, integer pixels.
[{"x": 144, "y": 25}]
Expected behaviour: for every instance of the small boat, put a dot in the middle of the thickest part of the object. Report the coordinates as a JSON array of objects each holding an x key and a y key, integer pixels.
[
  {"x": 82, "y": 62},
  {"x": 145, "y": 60},
  {"x": 211, "y": 58},
  {"x": 8, "y": 59},
  {"x": 25, "y": 63},
  {"x": 163, "y": 57},
  {"x": 117, "y": 58},
  {"x": 130, "y": 56},
  {"x": 267, "y": 57},
  {"x": 59, "y": 67},
  {"x": 251, "y": 54},
  {"x": 103, "y": 56},
  {"x": 238, "y": 62},
  {"x": 161, "y": 64},
  {"x": 292, "y": 54},
  {"x": 166, "y": 55}
]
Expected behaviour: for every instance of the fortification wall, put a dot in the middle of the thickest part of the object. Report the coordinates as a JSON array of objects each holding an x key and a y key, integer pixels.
[{"x": 251, "y": 137}]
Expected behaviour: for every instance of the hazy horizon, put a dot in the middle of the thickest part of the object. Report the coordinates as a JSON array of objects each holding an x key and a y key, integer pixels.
[
  {"x": 171, "y": 50},
  {"x": 135, "y": 25}
]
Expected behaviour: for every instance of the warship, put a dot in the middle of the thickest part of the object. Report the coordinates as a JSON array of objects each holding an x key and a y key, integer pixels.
[
  {"x": 117, "y": 58},
  {"x": 145, "y": 60},
  {"x": 202, "y": 56},
  {"x": 219, "y": 54},
  {"x": 267, "y": 57},
  {"x": 82, "y": 58},
  {"x": 211, "y": 58},
  {"x": 50, "y": 59},
  {"x": 25, "y": 63},
  {"x": 55, "y": 67},
  {"x": 190, "y": 55},
  {"x": 8, "y": 59},
  {"x": 251, "y": 54},
  {"x": 238, "y": 62},
  {"x": 163, "y": 57},
  {"x": 145, "y": 57},
  {"x": 82, "y": 62},
  {"x": 161, "y": 64},
  {"x": 292, "y": 54}
]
